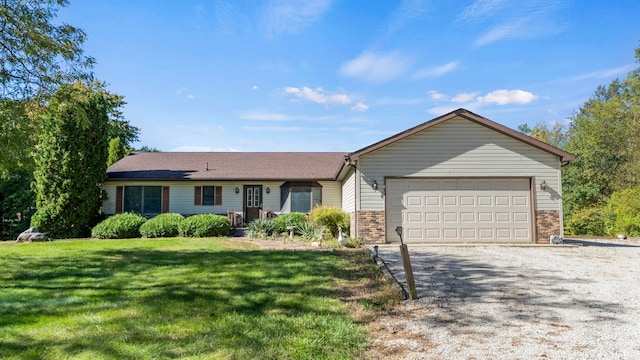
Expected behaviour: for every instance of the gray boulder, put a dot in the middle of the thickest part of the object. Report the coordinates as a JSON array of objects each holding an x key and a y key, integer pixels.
[{"x": 32, "y": 235}]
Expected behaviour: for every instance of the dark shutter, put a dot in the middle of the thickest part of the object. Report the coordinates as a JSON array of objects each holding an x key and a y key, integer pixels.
[
  {"x": 119, "y": 195},
  {"x": 197, "y": 199},
  {"x": 165, "y": 199},
  {"x": 218, "y": 197}
]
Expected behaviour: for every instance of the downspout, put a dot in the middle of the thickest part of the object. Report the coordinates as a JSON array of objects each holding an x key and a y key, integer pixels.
[
  {"x": 356, "y": 178},
  {"x": 561, "y": 211}
]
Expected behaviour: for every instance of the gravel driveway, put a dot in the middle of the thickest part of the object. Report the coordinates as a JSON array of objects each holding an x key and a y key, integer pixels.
[{"x": 509, "y": 302}]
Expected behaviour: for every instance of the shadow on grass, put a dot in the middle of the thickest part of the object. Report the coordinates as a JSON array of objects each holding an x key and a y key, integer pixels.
[{"x": 134, "y": 303}]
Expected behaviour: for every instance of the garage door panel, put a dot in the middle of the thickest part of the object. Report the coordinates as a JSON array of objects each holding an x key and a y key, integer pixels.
[
  {"x": 413, "y": 217},
  {"x": 468, "y": 217},
  {"x": 467, "y": 210},
  {"x": 432, "y": 217},
  {"x": 520, "y": 217},
  {"x": 414, "y": 234},
  {"x": 468, "y": 234},
  {"x": 467, "y": 200},
  {"x": 450, "y": 217},
  {"x": 520, "y": 201}
]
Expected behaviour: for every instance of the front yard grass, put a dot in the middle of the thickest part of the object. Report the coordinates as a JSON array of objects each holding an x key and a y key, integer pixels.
[{"x": 182, "y": 298}]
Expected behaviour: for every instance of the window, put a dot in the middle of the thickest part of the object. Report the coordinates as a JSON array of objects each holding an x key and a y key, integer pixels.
[
  {"x": 143, "y": 199},
  {"x": 300, "y": 197},
  {"x": 208, "y": 195}
]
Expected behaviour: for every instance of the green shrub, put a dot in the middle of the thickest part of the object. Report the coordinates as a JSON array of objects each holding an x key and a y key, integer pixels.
[
  {"x": 332, "y": 218},
  {"x": 120, "y": 226},
  {"x": 588, "y": 221},
  {"x": 163, "y": 225},
  {"x": 205, "y": 225},
  {"x": 261, "y": 228},
  {"x": 292, "y": 219},
  {"x": 623, "y": 213}
]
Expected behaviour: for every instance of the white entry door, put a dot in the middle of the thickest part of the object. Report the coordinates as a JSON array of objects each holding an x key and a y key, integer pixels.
[{"x": 459, "y": 210}]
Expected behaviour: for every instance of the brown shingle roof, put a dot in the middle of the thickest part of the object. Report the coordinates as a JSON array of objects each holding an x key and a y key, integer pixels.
[{"x": 226, "y": 166}]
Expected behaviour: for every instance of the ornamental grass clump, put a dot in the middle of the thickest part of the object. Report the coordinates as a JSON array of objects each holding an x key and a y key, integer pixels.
[
  {"x": 163, "y": 225},
  {"x": 120, "y": 226},
  {"x": 262, "y": 228},
  {"x": 204, "y": 225}
]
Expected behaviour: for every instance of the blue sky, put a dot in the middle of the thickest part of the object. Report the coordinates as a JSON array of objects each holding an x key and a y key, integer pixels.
[{"x": 338, "y": 75}]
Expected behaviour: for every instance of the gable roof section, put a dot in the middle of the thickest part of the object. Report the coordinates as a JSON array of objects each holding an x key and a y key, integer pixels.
[
  {"x": 226, "y": 166},
  {"x": 466, "y": 114}
]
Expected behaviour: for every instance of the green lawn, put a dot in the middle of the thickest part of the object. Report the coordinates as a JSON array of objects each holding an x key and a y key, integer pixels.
[{"x": 179, "y": 298}]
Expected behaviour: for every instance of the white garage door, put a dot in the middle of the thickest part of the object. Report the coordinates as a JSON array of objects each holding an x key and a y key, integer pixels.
[{"x": 459, "y": 210}]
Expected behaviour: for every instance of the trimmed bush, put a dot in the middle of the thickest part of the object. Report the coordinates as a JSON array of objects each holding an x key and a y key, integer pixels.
[
  {"x": 292, "y": 219},
  {"x": 331, "y": 217},
  {"x": 163, "y": 225},
  {"x": 587, "y": 221},
  {"x": 203, "y": 225},
  {"x": 120, "y": 226}
]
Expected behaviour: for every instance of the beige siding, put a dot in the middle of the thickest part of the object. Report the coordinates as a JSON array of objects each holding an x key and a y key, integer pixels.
[
  {"x": 181, "y": 196},
  {"x": 109, "y": 205},
  {"x": 349, "y": 192},
  {"x": 459, "y": 148},
  {"x": 331, "y": 193}
]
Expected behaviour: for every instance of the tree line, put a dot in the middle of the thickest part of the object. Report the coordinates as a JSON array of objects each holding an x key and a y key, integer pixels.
[
  {"x": 601, "y": 187},
  {"x": 59, "y": 126}
]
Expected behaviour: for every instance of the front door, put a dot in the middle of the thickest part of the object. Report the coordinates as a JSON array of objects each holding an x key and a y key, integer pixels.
[{"x": 252, "y": 202}]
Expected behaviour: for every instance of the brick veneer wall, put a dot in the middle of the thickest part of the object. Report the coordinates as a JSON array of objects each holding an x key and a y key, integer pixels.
[
  {"x": 371, "y": 226},
  {"x": 547, "y": 224}
]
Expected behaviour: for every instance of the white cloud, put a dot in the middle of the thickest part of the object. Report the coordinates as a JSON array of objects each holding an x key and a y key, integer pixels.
[
  {"x": 254, "y": 87},
  {"x": 504, "y": 97},
  {"x": 359, "y": 106},
  {"x": 507, "y": 30},
  {"x": 436, "y": 71},
  {"x": 408, "y": 11},
  {"x": 464, "y": 97},
  {"x": 480, "y": 9},
  {"x": 293, "y": 16},
  {"x": 264, "y": 116},
  {"x": 258, "y": 115},
  {"x": 436, "y": 95},
  {"x": 375, "y": 67},
  {"x": 525, "y": 19},
  {"x": 318, "y": 95},
  {"x": 605, "y": 74}
]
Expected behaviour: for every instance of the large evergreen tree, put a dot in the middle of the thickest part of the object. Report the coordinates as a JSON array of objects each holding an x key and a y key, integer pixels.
[{"x": 71, "y": 159}]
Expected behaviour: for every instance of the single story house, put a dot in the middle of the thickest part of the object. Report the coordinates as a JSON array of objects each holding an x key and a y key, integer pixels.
[{"x": 457, "y": 178}]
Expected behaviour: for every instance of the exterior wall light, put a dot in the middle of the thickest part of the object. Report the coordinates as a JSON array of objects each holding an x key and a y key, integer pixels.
[
  {"x": 268, "y": 191},
  {"x": 374, "y": 185},
  {"x": 543, "y": 185},
  {"x": 237, "y": 191}
]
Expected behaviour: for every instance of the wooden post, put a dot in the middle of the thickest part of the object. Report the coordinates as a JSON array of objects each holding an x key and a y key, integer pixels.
[{"x": 404, "y": 251}]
